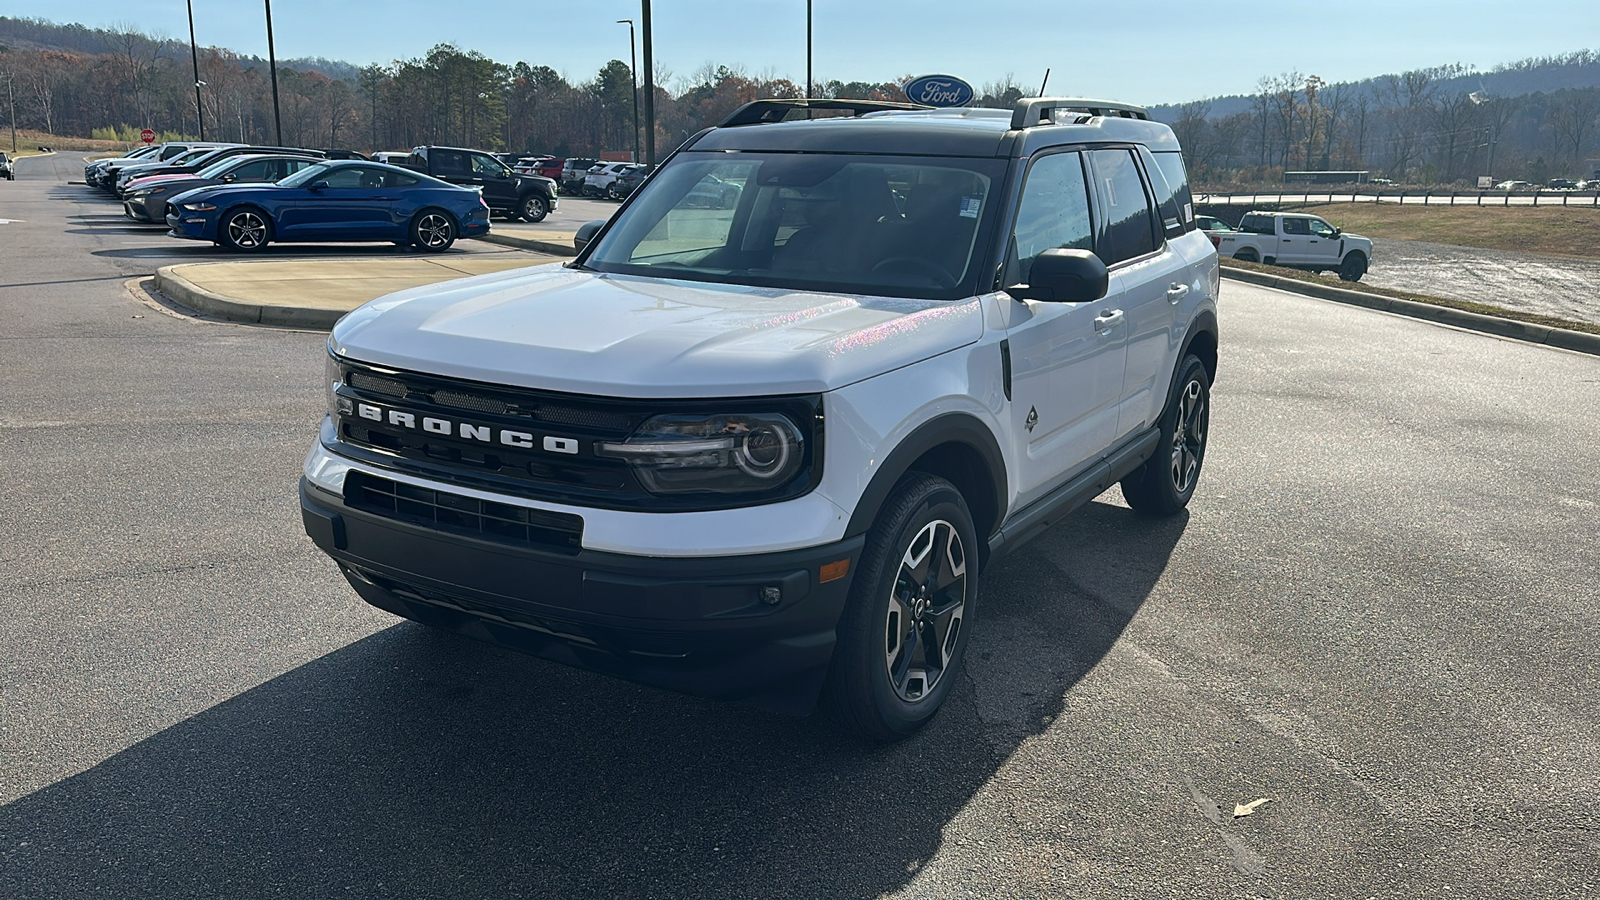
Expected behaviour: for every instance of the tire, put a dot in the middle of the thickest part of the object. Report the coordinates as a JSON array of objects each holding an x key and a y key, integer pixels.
[
  {"x": 612, "y": 193},
  {"x": 433, "y": 230},
  {"x": 1247, "y": 255},
  {"x": 245, "y": 229},
  {"x": 1353, "y": 267},
  {"x": 534, "y": 208},
  {"x": 917, "y": 579},
  {"x": 1164, "y": 484}
]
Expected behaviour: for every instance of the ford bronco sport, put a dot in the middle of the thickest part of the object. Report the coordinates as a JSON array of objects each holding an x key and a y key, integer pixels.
[{"x": 762, "y": 450}]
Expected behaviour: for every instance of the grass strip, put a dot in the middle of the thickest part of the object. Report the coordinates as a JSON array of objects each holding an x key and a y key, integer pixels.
[{"x": 1483, "y": 309}]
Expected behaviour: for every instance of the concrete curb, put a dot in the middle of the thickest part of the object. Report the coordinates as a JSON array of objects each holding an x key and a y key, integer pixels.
[
  {"x": 1444, "y": 315},
  {"x": 521, "y": 243},
  {"x": 185, "y": 292}
]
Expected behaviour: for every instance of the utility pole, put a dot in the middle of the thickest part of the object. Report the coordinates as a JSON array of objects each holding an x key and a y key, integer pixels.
[
  {"x": 649, "y": 88},
  {"x": 633, "y": 75},
  {"x": 194, "y": 56},
  {"x": 11, "y": 98},
  {"x": 272, "y": 64},
  {"x": 809, "y": 86}
]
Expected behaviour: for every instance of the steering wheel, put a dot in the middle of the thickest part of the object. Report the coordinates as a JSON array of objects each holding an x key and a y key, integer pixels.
[{"x": 916, "y": 265}]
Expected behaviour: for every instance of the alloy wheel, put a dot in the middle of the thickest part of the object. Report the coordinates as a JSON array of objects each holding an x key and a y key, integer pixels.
[
  {"x": 434, "y": 230},
  {"x": 922, "y": 620},
  {"x": 246, "y": 230},
  {"x": 1189, "y": 437}
]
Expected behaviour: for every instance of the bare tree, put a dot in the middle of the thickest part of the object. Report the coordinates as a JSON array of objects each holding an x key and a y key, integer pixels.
[{"x": 1572, "y": 117}]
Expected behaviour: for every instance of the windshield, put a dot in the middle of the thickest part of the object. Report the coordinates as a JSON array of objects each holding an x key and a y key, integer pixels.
[
  {"x": 189, "y": 157},
  {"x": 891, "y": 226},
  {"x": 306, "y": 175},
  {"x": 221, "y": 166}
]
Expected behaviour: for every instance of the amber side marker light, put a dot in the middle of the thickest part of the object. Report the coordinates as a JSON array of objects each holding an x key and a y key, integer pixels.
[{"x": 834, "y": 571}]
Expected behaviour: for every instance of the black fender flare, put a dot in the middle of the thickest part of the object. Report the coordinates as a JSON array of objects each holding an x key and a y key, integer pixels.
[
  {"x": 1204, "y": 324},
  {"x": 948, "y": 428}
]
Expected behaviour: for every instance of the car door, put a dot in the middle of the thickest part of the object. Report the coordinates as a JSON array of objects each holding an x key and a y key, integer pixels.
[
  {"x": 1066, "y": 359},
  {"x": 1151, "y": 274},
  {"x": 1322, "y": 245},
  {"x": 1294, "y": 239},
  {"x": 498, "y": 183},
  {"x": 352, "y": 206}
]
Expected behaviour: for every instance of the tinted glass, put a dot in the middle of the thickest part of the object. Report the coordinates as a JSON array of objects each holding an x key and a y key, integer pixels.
[
  {"x": 450, "y": 163},
  {"x": 400, "y": 179},
  {"x": 1296, "y": 226},
  {"x": 1053, "y": 212},
  {"x": 894, "y": 226},
  {"x": 488, "y": 167},
  {"x": 1172, "y": 169},
  {"x": 1166, "y": 198},
  {"x": 1129, "y": 228},
  {"x": 255, "y": 170}
]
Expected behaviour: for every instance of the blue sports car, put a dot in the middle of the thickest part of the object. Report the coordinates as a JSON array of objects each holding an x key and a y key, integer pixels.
[{"x": 336, "y": 200}]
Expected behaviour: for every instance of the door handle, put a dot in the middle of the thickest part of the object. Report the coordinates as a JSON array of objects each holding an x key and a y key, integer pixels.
[
  {"x": 1177, "y": 292},
  {"x": 1107, "y": 320}
]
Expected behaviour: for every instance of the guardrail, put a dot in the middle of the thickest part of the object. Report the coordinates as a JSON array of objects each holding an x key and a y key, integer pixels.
[{"x": 1422, "y": 198}]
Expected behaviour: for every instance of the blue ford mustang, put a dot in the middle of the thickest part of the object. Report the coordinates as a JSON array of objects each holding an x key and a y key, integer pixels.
[{"x": 337, "y": 200}]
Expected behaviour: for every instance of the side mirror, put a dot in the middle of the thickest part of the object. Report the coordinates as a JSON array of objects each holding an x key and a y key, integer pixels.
[
  {"x": 230, "y": 177},
  {"x": 319, "y": 185},
  {"x": 1337, "y": 232},
  {"x": 586, "y": 233},
  {"x": 1064, "y": 276}
]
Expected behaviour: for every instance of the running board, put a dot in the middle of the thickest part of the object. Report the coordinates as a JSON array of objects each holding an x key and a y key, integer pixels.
[{"x": 1033, "y": 519}]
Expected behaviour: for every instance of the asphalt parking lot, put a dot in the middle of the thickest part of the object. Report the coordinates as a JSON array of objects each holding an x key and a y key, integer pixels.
[{"x": 1378, "y": 614}]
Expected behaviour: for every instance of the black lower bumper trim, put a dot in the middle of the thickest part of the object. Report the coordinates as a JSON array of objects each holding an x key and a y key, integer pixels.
[{"x": 758, "y": 628}]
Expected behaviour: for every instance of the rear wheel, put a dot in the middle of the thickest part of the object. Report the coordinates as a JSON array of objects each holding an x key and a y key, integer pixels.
[
  {"x": 1247, "y": 255},
  {"x": 1164, "y": 484},
  {"x": 433, "y": 230},
  {"x": 1353, "y": 267},
  {"x": 247, "y": 230},
  {"x": 904, "y": 630}
]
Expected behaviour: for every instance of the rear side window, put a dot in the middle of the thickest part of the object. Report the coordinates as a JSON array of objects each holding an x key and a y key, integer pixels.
[
  {"x": 1053, "y": 213},
  {"x": 1129, "y": 224},
  {"x": 1256, "y": 225},
  {"x": 1172, "y": 169}
]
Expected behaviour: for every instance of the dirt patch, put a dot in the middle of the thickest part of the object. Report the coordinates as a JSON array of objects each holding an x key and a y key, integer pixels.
[{"x": 1570, "y": 231}]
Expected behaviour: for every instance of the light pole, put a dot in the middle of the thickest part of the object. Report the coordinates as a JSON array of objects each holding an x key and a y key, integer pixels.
[
  {"x": 11, "y": 98},
  {"x": 649, "y": 89},
  {"x": 194, "y": 56},
  {"x": 809, "y": 86},
  {"x": 633, "y": 77},
  {"x": 272, "y": 64}
]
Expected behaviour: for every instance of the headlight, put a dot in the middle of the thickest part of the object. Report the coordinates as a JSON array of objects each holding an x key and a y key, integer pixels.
[
  {"x": 731, "y": 454},
  {"x": 332, "y": 378},
  {"x": 199, "y": 207}
]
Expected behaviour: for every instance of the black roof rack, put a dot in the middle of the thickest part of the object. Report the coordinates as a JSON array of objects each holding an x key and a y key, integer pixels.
[
  {"x": 758, "y": 112},
  {"x": 1034, "y": 111}
]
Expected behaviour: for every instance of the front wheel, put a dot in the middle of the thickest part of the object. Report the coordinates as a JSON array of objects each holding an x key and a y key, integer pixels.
[
  {"x": 246, "y": 230},
  {"x": 904, "y": 629},
  {"x": 534, "y": 208},
  {"x": 1353, "y": 267},
  {"x": 433, "y": 230},
  {"x": 1164, "y": 484}
]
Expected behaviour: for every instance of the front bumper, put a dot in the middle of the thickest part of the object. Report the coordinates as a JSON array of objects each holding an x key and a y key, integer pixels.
[
  {"x": 194, "y": 226},
  {"x": 708, "y": 626}
]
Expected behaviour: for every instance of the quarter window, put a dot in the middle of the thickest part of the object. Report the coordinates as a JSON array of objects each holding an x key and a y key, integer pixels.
[
  {"x": 1129, "y": 226},
  {"x": 1053, "y": 213}
]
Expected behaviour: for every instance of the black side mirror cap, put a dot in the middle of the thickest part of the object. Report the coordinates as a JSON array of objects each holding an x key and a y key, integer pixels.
[
  {"x": 319, "y": 185},
  {"x": 586, "y": 233},
  {"x": 1064, "y": 276}
]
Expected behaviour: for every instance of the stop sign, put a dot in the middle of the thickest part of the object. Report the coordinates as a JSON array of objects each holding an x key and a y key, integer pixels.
[{"x": 148, "y": 136}]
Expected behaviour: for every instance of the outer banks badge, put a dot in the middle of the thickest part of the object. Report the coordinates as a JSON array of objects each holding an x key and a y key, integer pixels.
[{"x": 938, "y": 90}]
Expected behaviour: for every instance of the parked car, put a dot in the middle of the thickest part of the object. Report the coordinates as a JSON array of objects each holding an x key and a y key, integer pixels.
[
  {"x": 94, "y": 170},
  {"x": 543, "y": 166},
  {"x": 767, "y": 456},
  {"x": 146, "y": 198},
  {"x": 528, "y": 197},
  {"x": 1210, "y": 223},
  {"x": 1514, "y": 186},
  {"x": 1562, "y": 184},
  {"x": 392, "y": 157},
  {"x": 714, "y": 192},
  {"x": 332, "y": 200},
  {"x": 336, "y": 153},
  {"x": 7, "y": 169},
  {"x": 573, "y": 171},
  {"x": 1380, "y": 181},
  {"x": 628, "y": 182},
  {"x": 601, "y": 176},
  {"x": 191, "y": 165},
  {"x": 170, "y": 154},
  {"x": 1298, "y": 242}
]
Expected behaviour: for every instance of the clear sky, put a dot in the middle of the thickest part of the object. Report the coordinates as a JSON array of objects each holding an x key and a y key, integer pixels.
[{"x": 1141, "y": 51}]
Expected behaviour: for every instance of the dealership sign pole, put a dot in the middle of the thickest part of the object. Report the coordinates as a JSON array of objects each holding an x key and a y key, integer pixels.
[
  {"x": 194, "y": 56},
  {"x": 272, "y": 64}
]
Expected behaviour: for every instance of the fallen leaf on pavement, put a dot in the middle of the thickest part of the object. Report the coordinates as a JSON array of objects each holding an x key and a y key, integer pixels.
[{"x": 1244, "y": 809}]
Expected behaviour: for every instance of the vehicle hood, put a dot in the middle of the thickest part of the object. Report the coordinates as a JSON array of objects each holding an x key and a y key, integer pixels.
[{"x": 559, "y": 329}]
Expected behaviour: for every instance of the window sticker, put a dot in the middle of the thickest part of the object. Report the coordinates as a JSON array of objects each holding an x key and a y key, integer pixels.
[{"x": 970, "y": 207}]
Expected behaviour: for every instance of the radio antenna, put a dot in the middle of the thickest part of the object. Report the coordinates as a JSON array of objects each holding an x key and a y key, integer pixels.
[{"x": 1045, "y": 81}]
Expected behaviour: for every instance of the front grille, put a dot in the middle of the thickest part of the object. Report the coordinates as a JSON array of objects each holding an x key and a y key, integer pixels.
[{"x": 459, "y": 514}]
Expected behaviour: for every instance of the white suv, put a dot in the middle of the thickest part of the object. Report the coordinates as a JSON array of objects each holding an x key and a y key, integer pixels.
[{"x": 747, "y": 452}]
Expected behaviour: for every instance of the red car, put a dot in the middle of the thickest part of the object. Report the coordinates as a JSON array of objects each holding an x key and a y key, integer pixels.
[{"x": 547, "y": 166}]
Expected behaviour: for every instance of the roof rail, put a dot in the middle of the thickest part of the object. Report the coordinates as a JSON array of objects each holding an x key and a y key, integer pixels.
[
  {"x": 1034, "y": 111},
  {"x": 758, "y": 112}
]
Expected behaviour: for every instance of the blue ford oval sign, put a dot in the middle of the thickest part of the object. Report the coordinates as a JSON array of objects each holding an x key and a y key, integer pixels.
[{"x": 939, "y": 90}]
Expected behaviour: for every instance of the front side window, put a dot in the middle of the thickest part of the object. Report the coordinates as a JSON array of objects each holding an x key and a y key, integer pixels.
[
  {"x": 1321, "y": 228},
  {"x": 488, "y": 167},
  {"x": 252, "y": 171},
  {"x": 891, "y": 226},
  {"x": 1128, "y": 230},
  {"x": 1053, "y": 212}
]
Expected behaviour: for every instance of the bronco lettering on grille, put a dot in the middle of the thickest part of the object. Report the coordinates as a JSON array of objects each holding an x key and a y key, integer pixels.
[{"x": 485, "y": 434}]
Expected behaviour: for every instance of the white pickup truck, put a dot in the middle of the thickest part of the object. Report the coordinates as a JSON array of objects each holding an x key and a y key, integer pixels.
[{"x": 1298, "y": 241}]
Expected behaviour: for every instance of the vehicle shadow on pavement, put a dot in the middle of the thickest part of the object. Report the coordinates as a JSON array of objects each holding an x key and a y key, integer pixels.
[{"x": 416, "y": 763}]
